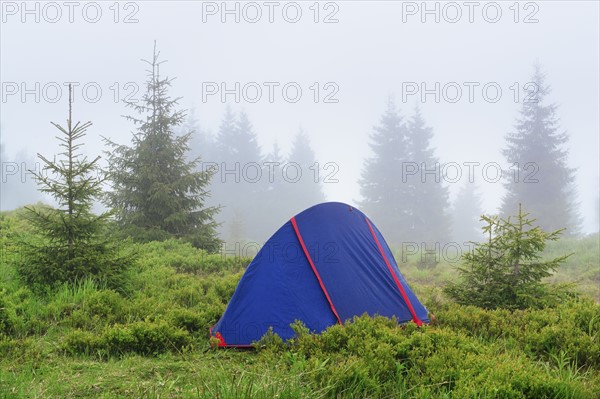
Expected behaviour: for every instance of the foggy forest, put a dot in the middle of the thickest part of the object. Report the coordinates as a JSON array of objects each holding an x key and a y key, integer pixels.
[{"x": 379, "y": 199}]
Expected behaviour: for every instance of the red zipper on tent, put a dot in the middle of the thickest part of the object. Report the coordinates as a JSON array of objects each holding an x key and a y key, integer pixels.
[
  {"x": 417, "y": 321},
  {"x": 312, "y": 265}
]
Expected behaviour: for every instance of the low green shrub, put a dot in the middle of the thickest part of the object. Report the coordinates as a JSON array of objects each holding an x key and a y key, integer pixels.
[
  {"x": 189, "y": 320},
  {"x": 374, "y": 357},
  {"x": 100, "y": 308},
  {"x": 22, "y": 350},
  {"x": 147, "y": 338},
  {"x": 573, "y": 327},
  {"x": 7, "y": 315},
  {"x": 270, "y": 341},
  {"x": 144, "y": 307},
  {"x": 108, "y": 305},
  {"x": 184, "y": 258},
  {"x": 81, "y": 342},
  {"x": 188, "y": 297}
]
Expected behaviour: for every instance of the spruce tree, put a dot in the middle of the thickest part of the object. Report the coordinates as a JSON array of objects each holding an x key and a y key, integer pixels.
[
  {"x": 274, "y": 183},
  {"x": 302, "y": 176},
  {"x": 237, "y": 228},
  {"x": 220, "y": 193},
  {"x": 507, "y": 270},
  {"x": 274, "y": 209},
  {"x": 157, "y": 193},
  {"x": 71, "y": 243},
  {"x": 275, "y": 157},
  {"x": 466, "y": 213},
  {"x": 248, "y": 149},
  {"x": 201, "y": 141},
  {"x": 536, "y": 149},
  {"x": 236, "y": 143},
  {"x": 427, "y": 195},
  {"x": 238, "y": 186},
  {"x": 384, "y": 196},
  {"x": 226, "y": 135}
]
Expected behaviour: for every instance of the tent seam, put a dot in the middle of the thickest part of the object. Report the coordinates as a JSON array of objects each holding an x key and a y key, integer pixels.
[
  {"x": 417, "y": 321},
  {"x": 312, "y": 265}
]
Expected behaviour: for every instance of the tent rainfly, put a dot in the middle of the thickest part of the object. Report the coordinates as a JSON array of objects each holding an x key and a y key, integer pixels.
[{"x": 324, "y": 266}]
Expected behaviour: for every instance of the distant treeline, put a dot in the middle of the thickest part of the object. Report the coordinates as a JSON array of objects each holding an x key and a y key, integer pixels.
[{"x": 176, "y": 177}]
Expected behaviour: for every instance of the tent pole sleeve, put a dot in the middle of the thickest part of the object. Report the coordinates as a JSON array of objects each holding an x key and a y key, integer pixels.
[
  {"x": 417, "y": 321},
  {"x": 312, "y": 265}
]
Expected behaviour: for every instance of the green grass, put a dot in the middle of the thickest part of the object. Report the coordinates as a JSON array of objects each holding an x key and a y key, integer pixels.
[
  {"x": 86, "y": 341},
  {"x": 203, "y": 375},
  {"x": 583, "y": 267}
]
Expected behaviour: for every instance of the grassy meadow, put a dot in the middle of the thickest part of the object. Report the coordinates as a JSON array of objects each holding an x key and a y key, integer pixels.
[{"x": 152, "y": 341}]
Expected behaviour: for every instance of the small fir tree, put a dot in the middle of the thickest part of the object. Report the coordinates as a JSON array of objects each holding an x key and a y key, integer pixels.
[
  {"x": 71, "y": 243},
  {"x": 507, "y": 270}
]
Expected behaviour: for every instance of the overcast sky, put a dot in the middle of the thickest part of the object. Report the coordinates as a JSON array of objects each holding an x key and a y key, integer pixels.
[{"x": 356, "y": 54}]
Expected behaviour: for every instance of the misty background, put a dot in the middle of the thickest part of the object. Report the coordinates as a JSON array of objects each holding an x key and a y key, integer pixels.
[{"x": 366, "y": 55}]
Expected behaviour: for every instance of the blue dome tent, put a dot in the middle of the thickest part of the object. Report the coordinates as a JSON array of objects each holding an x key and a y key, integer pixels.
[{"x": 324, "y": 266}]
